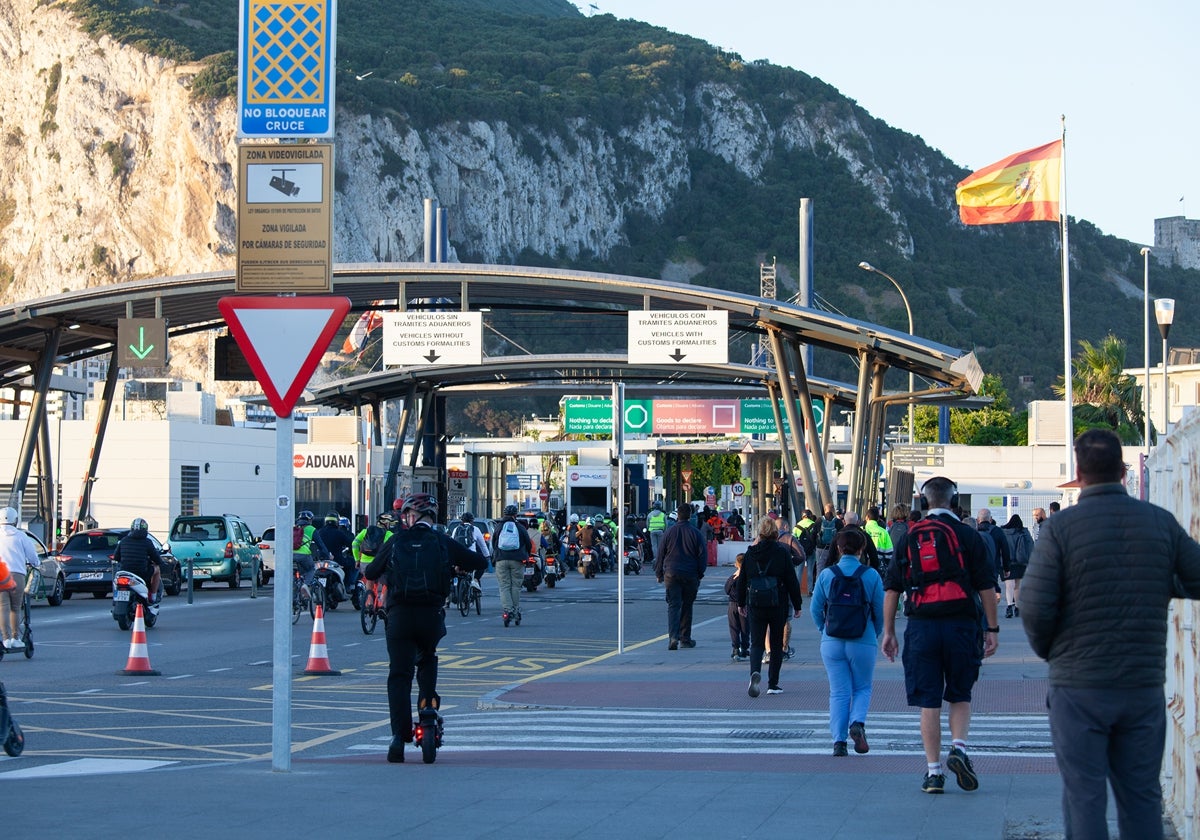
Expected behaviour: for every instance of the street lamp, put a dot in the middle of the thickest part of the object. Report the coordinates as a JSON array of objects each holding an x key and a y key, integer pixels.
[
  {"x": 866, "y": 266},
  {"x": 1146, "y": 343},
  {"x": 1164, "y": 313}
]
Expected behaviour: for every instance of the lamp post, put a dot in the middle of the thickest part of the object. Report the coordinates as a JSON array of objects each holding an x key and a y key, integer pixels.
[
  {"x": 866, "y": 266},
  {"x": 1146, "y": 343},
  {"x": 1164, "y": 313}
]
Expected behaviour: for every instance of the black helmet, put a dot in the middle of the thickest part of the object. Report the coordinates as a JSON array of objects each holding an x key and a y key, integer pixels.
[
  {"x": 510, "y": 510},
  {"x": 331, "y": 518},
  {"x": 304, "y": 517},
  {"x": 422, "y": 504},
  {"x": 468, "y": 517},
  {"x": 139, "y": 527},
  {"x": 386, "y": 519}
]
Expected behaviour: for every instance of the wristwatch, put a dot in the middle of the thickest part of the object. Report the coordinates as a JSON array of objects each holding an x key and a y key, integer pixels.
[{"x": 993, "y": 629}]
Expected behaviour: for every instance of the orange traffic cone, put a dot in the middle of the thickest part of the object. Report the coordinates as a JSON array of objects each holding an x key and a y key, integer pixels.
[
  {"x": 318, "y": 654},
  {"x": 139, "y": 657}
]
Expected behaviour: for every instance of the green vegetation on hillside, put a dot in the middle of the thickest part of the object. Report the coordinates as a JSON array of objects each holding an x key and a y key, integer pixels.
[{"x": 538, "y": 66}]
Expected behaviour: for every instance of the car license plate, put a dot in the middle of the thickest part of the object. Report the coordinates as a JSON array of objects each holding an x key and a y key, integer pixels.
[
  {"x": 121, "y": 595},
  {"x": 200, "y": 574},
  {"x": 91, "y": 575}
]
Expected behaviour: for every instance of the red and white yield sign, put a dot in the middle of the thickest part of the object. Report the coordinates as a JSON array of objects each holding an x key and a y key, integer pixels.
[{"x": 283, "y": 340}]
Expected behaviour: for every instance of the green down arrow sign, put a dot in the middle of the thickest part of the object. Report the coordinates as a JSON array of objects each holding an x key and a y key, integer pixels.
[{"x": 141, "y": 342}]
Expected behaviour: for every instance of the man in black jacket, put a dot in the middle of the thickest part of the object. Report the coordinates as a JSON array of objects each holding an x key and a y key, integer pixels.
[
  {"x": 680, "y": 564},
  {"x": 1107, "y": 669},
  {"x": 135, "y": 553}
]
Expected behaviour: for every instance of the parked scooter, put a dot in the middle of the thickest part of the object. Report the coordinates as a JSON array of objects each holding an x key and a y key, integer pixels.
[
  {"x": 331, "y": 578},
  {"x": 129, "y": 590}
]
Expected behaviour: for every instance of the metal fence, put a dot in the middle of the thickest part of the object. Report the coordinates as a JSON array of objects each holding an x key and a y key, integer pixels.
[{"x": 1175, "y": 485}]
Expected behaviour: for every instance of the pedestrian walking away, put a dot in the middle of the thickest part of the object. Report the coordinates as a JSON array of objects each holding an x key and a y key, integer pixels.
[
  {"x": 417, "y": 564},
  {"x": 764, "y": 589},
  {"x": 17, "y": 552},
  {"x": 511, "y": 547},
  {"x": 942, "y": 569},
  {"x": 847, "y": 607},
  {"x": 739, "y": 625},
  {"x": 680, "y": 566},
  {"x": 1107, "y": 667}
]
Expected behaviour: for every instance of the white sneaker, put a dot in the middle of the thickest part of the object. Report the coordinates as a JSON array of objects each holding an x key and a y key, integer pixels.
[{"x": 9, "y": 644}]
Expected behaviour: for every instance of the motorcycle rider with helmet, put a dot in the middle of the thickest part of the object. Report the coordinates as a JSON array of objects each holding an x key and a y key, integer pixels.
[
  {"x": 415, "y": 626},
  {"x": 339, "y": 544},
  {"x": 135, "y": 553}
]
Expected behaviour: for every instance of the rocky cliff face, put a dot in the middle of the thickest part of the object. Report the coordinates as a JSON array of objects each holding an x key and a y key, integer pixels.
[{"x": 111, "y": 172}]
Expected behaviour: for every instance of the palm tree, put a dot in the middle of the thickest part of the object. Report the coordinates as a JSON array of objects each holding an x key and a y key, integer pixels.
[{"x": 1103, "y": 395}]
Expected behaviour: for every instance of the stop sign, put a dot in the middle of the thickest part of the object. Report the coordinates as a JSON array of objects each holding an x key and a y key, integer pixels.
[{"x": 544, "y": 494}]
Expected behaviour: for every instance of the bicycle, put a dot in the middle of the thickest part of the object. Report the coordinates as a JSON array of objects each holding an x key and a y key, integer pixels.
[
  {"x": 464, "y": 592},
  {"x": 374, "y": 602},
  {"x": 300, "y": 600}
]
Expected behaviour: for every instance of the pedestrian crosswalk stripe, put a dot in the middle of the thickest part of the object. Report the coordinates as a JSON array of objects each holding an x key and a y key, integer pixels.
[{"x": 707, "y": 731}]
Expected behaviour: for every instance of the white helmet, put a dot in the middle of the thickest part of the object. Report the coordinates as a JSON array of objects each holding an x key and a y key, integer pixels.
[
  {"x": 9, "y": 515},
  {"x": 574, "y": 518}
]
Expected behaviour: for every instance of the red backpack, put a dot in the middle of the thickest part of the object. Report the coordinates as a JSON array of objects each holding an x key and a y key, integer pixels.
[{"x": 935, "y": 570}]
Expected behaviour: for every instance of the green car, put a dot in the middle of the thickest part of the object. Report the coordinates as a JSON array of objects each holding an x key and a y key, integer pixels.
[{"x": 219, "y": 548}]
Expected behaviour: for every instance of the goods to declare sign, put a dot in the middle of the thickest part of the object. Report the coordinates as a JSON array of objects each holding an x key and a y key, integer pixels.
[
  {"x": 285, "y": 218},
  {"x": 679, "y": 417},
  {"x": 432, "y": 338},
  {"x": 698, "y": 336},
  {"x": 285, "y": 68}
]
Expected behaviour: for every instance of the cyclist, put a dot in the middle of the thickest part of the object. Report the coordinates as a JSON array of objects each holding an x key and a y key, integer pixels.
[
  {"x": 416, "y": 619},
  {"x": 303, "y": 556},
  {"x": 135, "y": 553},
  {"x": 339, "y": 545}
]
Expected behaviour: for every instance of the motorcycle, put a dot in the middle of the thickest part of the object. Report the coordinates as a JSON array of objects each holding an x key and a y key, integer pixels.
[
  {"x": 554, "y": 569},
  {"x": 331, "y": 578},
  {"x": 533, "y": 574},
  {"x": 633, "y": 555},
  {"x": 129, "y": 590},
  {"x": 589, "y": 561}
]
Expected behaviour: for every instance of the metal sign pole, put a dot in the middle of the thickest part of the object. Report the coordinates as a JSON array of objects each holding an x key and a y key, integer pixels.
[
  {"x": 281, "y": 671},
  {"x": 618, "y": 401}
]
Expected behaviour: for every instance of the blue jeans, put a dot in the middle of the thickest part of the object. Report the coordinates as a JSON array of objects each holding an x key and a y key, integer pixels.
[{"x": 850, "y": 666}]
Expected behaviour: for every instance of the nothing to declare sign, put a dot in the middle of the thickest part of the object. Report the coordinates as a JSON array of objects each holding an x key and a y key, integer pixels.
[
  {"x": 285, "y": 218},
  {"x": 698, "y": 336}
]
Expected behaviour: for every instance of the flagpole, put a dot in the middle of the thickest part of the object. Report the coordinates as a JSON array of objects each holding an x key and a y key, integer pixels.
[{"x": 1068, "y": 380}]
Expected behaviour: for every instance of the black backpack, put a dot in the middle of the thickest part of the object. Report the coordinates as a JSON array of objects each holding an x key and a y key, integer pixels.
[
  {"x": 464, "y": 532},
  {"x": 372, "y": 541},
  {"x": 808, "y": 539},
  {"x": 764, "y": 589},
  {"x": 847, "y": 611},
  {"x": 418, "y": 569}
]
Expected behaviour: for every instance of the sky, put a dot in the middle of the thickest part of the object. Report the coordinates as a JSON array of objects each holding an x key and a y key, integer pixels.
[{"x": 980, "y": 81}]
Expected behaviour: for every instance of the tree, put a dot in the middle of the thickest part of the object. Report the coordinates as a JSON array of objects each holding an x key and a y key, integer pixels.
[
  {"x": 993, "y": 425},
  {"x": 1104, "y": 396}
]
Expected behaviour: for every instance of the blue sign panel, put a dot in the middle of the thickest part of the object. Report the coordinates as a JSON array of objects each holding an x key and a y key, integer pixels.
[{"x": 285, "y": 68}]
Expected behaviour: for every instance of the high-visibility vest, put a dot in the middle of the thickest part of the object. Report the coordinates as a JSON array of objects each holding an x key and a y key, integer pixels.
[
  {"x": 6, "y": 578},
  {"x": 656, "y": 521}
]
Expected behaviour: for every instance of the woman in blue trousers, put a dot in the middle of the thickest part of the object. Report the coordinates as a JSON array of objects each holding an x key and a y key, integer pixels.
[{"x": 850, "y": 621}]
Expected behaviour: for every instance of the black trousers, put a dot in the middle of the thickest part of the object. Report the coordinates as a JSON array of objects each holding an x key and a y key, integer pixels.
[
  {"x": 766, "y": 622},
  {"x": 1109, "y": 736},
  {"x": 681, "y": 594},
  {"x": 413, "y": 633}
]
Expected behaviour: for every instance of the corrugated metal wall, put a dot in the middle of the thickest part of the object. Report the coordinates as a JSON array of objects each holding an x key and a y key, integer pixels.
[{"x": 1175, "y": 485}]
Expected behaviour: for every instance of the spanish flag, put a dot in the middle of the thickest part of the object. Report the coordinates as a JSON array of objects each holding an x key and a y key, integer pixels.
[{"x": 1021, "y": 188}]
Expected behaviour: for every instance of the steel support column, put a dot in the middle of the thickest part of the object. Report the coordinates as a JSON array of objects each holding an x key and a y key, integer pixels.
[
  {"x": 815, "y": 439},
  {"x": 785, "y": 457},
  {"x": 858, "y": 433},
  {"x": 37, "y": 410},
  {"x": 389, "y": 481},
  {"x": 46, "y": 473},
  {"x": 424, "y": 421},
  {"x": 788, "y": 393},
  {"x": 868, "y": 492},
  {"x": 83, "y": 509}
]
